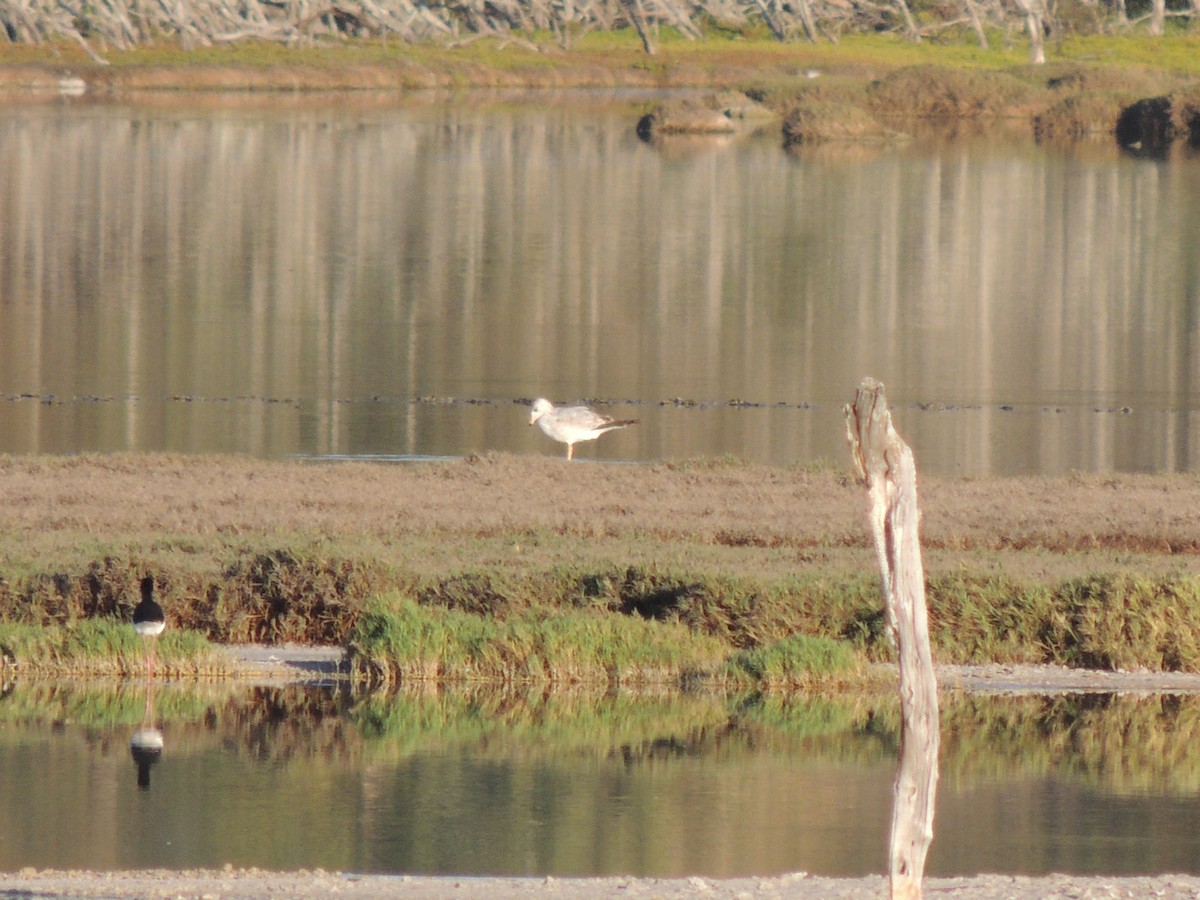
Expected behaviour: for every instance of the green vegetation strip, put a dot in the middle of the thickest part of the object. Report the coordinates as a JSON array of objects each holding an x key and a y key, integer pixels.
[
  {"x": 104, "y": 647},
  {"x": 401, "y": 640},
  {"x": 496, "y": 61},
  {"x": 588, "y": 623}
]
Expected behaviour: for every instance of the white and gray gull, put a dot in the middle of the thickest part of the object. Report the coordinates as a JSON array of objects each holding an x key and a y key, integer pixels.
[{"x": 572, "y": 424}]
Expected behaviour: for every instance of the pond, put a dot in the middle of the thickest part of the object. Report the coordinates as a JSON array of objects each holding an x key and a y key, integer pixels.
[
  {"x": 386, "y": 277},
  {"x": 453, "y": 782}
]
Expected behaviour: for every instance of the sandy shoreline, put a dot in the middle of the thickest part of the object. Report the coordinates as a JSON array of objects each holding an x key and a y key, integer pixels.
[
  {"x": 233, "y": 884},
  {"x": 291, "y": 662}
]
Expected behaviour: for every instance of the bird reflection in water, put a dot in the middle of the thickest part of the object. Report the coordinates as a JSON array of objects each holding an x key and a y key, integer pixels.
[{"x": 146, "y": 745}]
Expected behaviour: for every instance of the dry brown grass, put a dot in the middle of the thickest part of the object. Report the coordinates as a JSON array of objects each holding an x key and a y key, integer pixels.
[
  {"x": 65, "y": 514},
  {"x": 151, "y": 500},
  {"x": 252, "y": 550}
]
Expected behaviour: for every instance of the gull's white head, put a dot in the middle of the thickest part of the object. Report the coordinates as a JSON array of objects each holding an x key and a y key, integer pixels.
[{"x": 541, "y": 406}]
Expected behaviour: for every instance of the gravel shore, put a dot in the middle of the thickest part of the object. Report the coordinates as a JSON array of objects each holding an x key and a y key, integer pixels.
[
  {"x": 292, "y": 662},
  {"x": 237, "y": 884}
]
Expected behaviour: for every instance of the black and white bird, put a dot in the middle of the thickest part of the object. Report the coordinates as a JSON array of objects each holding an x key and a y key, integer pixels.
[
  {"x": 148, "y": 619},
  {"x": 572, "y": 424}
]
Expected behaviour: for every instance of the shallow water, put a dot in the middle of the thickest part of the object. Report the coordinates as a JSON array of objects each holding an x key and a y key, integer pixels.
[
  {"x": 574, "y": 784},
  {"x": 394, "y": 278}
]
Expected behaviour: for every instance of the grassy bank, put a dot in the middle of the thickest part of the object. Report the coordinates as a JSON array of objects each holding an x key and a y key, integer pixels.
[
  {"x": 868, "y": 84},
  {"x": 1133, "y": 92},
  {"x": 646, "y": 628},
  {"x": 522, "y": 569},
  {"x": 595, "y": 59},
  {"x": 105, "y": 647}
]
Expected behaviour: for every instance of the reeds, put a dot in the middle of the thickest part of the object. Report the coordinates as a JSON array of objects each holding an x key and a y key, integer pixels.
[
  {"x": 401, "y": 640},
  {"x": 104, "y": 647},
  {"x": 1126, "y": 622},
  {"x": 1117, "y": 621}
]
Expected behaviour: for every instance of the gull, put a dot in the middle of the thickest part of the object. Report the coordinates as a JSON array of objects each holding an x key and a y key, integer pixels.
[{"x": 571, "y": 424}]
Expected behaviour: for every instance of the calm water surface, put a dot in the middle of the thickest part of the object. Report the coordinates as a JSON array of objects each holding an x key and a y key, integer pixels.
[
  {"x": 315, "y": 278},
  {"x": 577, "y": 785}
]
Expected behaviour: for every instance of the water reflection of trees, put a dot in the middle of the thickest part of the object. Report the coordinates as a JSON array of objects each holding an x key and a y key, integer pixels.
[
  {"x": 252, "y": 259},
  {"x": 1120, "y": 742},
  {"x": 1116, "y": 741}
]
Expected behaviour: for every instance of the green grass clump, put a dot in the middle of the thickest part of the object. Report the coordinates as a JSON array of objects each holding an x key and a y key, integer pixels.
[
  {"x": 1115, "y": 621},
  {"x": 797, "y": 660},
  {"x": 401, "y": 640},
  {"x": 100, "y": 647},
  {"x": 1126, "y": 622},
  {"x": 988, "y": 618}
]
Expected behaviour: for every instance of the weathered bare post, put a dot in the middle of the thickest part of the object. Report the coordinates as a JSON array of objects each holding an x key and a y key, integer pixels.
[{"x": 885, "y": 464}]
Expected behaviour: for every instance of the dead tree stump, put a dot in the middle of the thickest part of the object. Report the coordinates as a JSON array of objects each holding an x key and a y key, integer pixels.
[{"x": 885, "y": 463}]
